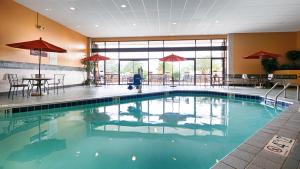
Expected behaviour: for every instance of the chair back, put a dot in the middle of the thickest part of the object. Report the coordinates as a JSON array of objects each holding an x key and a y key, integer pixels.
[
  {"x": 244, "y": 76},
  {"x": 270, "y": 76},
  {"x": 59, "y": 78},
  {"x": 13, "y": 79},
  {"x": 37, "y": 76},
  {"x": 186, "y": 77}
]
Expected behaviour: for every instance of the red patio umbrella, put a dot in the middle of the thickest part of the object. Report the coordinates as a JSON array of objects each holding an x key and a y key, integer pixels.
[
  {"x": 95, "y": 58},
  {"x": 39, "y": 45},
  {"x": 261, "y": 55},
  {"x": 172, "y": 58}
]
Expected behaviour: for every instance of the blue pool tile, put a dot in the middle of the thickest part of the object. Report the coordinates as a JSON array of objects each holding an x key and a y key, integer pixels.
[
  {"x": 51, "y": 106},
  {"x": 45, "y": 106},
  {"x": 63, "y": 105},
  {"x": 57, "y": 105},
  {"x": 23, "y": 109},
  {"x": 16, "y": 110},
  {"x": 127, "y": 98},
  {"x": 37, "y": 107},
  {"x": 30, "y": 108}
]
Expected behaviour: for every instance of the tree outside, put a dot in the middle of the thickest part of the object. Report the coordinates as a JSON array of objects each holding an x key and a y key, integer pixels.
[
  {"x": 203, "y": 66},
  {"x": 111, "y": 66},
  {"x": 131, "y": 67}
]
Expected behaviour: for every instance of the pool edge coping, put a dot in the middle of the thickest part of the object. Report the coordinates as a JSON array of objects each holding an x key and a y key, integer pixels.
[
  {"x": 83, "y": 101},
  {"x": 254, "y": 145}
]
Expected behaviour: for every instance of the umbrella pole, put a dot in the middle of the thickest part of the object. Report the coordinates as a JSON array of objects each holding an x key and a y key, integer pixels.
[
  {"x": 260, "y": 76},
  {"x": 40, "y": 58},
  {"x": 261, "y": 71},
  {"x": 94, "y": 72},
  {"x": 172, "y": 74}
]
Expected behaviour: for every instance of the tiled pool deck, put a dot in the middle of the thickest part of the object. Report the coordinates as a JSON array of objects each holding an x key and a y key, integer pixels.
[{"x": 249, "y": 154}]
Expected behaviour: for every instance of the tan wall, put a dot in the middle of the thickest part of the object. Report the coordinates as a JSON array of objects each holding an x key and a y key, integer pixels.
[
  {"x": 248, "y": 43},
  {"x": 18, "y": 24}
]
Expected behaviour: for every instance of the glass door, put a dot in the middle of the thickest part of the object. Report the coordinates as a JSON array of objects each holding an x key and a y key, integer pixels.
[
  {"x": 187, "y": 72},
  {"x": 111, "y": 71},
  {"x": 130, "y": 67},
  {"x": 217, "y": 71},
  {"x": 203, "y": 71}
]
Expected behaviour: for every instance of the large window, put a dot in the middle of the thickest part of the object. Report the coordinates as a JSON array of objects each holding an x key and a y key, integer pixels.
[{"x": 204, "y": 64}]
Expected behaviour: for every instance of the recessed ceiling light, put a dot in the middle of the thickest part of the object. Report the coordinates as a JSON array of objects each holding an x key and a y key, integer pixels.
[
  {"x": 174, "y": 23},
  {"x": 96, "y": 26},
  {"x": 48, "y": 9},
  {"x": 123, "y": 6},
  {"x": 77, "y": 26},
  {"x": 134, "y": 24},
  {"x": 217, "y": 21},
  {"x": 72, "y": 8}
]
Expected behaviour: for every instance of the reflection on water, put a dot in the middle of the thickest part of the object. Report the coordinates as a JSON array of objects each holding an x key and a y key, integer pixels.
[
  {"x": 172, "y": 132},
  {"x": 202, "y": 116},
  {"x": 37, "y": 150}
]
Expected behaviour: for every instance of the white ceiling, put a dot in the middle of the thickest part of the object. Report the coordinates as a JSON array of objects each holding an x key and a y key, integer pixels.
[{"x": 158, "y": 17}]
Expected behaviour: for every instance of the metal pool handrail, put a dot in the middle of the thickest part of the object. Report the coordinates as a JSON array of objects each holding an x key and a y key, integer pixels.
[
  {"x": 283, "y": 90},
  {"x": 266, "y": 95}
]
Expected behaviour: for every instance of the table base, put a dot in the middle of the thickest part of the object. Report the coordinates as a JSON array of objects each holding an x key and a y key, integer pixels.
[{"x": 38, "y": 94}]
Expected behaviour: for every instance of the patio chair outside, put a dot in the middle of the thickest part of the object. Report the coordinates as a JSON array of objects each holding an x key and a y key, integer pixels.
[
  {"x": 187, "y": 79},
  {"x": 167, "y": 79}
]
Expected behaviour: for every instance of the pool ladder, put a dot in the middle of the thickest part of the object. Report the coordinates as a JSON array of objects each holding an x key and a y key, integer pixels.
[{"x": 279, "y": 93}]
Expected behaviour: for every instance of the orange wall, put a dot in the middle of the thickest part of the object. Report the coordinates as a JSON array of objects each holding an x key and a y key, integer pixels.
[
  {"x": 18, "y": 25},
  {"x": 245, "y": 44}
]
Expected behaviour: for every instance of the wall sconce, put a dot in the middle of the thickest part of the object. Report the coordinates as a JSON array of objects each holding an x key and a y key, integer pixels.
[{"x": 38, "y": 26}]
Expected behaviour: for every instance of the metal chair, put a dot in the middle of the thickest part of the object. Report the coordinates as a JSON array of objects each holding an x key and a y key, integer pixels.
[
  {"x": 187, "y": 79},
  {"x": 245, "y": 79},
  {"x": 58, "y": 81},
  {"x": 167, "y": 78},
  {"x": 15, "y": 84}
]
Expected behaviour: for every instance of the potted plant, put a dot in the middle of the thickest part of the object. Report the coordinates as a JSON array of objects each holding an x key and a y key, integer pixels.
[
  {"x": 88, "y": 67},
  {"x": 293, "y": 56},
  {"x": 269, "y": 64}
]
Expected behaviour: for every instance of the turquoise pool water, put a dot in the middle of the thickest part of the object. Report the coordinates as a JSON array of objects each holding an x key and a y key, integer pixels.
[{"x": 175, "y": 132}]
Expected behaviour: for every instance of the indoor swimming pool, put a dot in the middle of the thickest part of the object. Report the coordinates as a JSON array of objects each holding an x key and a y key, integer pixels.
[{"x": 175, "y": 131}]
